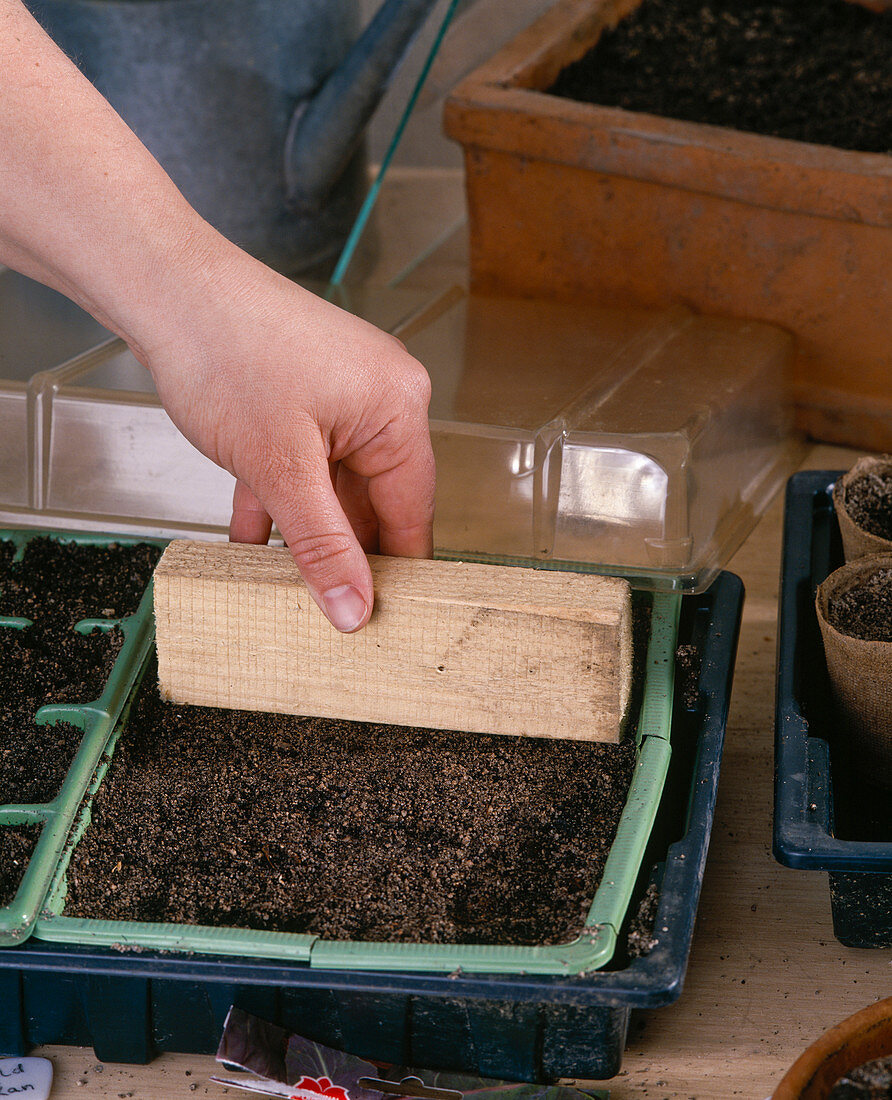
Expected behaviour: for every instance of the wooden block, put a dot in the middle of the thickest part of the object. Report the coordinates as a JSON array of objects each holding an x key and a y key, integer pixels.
[{"x": 450, "y": 645}]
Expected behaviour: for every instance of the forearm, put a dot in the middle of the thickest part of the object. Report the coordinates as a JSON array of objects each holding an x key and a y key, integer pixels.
[
  {"x": 85, "y": 207},
  {"x": 321, "y": 417}
]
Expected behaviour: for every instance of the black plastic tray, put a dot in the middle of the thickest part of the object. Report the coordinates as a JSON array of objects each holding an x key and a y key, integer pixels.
[
  {"x": 130, "y": 1006},
  {"x": 824, "y": 817}
]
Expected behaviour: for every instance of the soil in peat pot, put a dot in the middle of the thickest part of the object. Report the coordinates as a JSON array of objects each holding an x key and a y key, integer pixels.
[
  {"x": 865, "y": 610},
  {"x": 868, "y": 501},
  {"x": 869, "y": 1081},
  {"x": 817, "y": 71},
  {"x": 17, "y": 844}
]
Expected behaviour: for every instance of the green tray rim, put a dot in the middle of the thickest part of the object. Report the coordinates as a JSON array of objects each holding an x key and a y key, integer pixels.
[
  {"x": 97, "y": 719},
  {"x": 592, "y": 950}
]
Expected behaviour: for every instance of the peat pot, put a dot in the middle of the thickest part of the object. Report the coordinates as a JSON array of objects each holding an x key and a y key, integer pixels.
[
  {"x": 570, "y": 199},
  {"x": 860, "y": 1038},
  {"x": 859, "y": 668},
  {"x": 254, "y": 107},
  {"x": 826, "y": 816},
  {"x": 865, "y": 533}
]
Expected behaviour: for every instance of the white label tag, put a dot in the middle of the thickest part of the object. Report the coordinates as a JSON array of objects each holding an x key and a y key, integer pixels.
[{"x": 30, "y": 1077}]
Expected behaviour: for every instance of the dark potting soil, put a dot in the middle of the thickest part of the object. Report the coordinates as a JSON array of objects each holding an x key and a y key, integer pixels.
[
  {"x": 39, "y": 666},
  {"x": 17, "y": 844},
  {"x": 687, "y": 674},
  {"x": 865, "y": 611},
  {"x": 347, "y": 830},
  {"x": 869, "y": 503},
  {"x": 7, "y": 551},
  {"x": 641, "y": 940},
  {"x": 869, "y": 1081},
  {"x": 69, "y": 581},
  {"x": 807, "y": 70}
]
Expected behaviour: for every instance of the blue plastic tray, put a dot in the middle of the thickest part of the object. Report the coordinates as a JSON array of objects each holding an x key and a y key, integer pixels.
[
  {"x": 824, "y": 818},
  {"x": 522, "y": 1027}
]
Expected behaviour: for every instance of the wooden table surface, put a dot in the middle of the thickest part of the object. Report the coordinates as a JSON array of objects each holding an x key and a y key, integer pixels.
[{"x": 766, "y": 975}]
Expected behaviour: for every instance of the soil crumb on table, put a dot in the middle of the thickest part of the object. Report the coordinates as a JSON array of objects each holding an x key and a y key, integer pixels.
[
  {"x": 807, "y": 70},
  {"x": 347, "y": 830},
  {"x": 38, "y": 667},
  {"x": 869, "y": 503},
  {"x": 17, "y": 844},
  {"x": 69, "y": 581},
  {"x": 865, "y": 610},
  {"x": 869, "y": 1081}
]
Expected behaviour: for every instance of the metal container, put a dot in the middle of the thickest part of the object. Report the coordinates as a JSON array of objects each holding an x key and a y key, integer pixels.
[{"x": 254, "y": 107}]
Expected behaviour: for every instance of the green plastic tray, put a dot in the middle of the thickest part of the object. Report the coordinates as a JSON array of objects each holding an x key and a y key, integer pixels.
[
  {"x": 590, "y": 951},
  {"x": 97, "y": 719}
]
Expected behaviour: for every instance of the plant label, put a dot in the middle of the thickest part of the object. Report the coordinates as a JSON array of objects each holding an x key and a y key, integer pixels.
[{"x": 31, "y": 1077}]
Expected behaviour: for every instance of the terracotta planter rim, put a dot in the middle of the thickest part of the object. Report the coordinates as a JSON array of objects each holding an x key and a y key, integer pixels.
[
  {"x": 815, "y": 179},
  {"x": 822, "y": 1054}
]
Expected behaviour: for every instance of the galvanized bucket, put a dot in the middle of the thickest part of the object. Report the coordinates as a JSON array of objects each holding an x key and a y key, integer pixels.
[{"x": 254, "y": 107}]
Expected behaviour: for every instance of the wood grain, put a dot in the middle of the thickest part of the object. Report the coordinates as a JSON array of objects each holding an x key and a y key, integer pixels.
[{"x": 450, "y": 645}]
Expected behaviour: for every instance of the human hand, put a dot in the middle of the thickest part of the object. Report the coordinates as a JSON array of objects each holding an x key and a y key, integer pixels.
[{"x": 321, "y": 417}]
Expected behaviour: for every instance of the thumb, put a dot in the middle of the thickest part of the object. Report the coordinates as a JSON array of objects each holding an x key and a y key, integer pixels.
[{"x": 318, "y": 534}]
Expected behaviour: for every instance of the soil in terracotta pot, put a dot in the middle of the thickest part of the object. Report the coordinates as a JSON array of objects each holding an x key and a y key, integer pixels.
[
  {"x": 17, "y": 844},
  {"x": 807, "y": 70},
  {"x": 39, "y": 666},
  {"x": 349, "y": 830},
  {"x": 68, "y": 581},
  {"x": 870, "y": 1081},
  {"x": 869, "y": 503},
  {"x": 865, "y": 610}
]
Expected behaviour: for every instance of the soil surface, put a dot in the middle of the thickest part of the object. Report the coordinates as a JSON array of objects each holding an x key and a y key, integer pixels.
[
  {"x": 807, "y": 70},
  {"x": 865, "y": 611},
  {"x": 870, "y": 1081},
  {"x": 40, "y": 666},
  {"x": 17, "y": 844},
  {"x": 869, "y": 503},
  {"x": 68, "y": 581},
  {"x": 347, "y": 830},
  {"x": 56, "y": 584}
]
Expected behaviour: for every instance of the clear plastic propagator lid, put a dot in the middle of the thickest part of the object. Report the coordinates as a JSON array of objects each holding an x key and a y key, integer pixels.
[{"x": 640, "y": 443}]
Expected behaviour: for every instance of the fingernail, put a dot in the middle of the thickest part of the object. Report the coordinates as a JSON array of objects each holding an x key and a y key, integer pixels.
[{"x": 345, "y": 607}]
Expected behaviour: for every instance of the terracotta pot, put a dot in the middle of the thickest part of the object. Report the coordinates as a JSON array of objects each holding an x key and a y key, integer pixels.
[
  {"x": 858, "y": 1039},
  {"x": 860, "y": 674},
  {"x": 857, "y": 541},
  {"x": 568, "y": 199}
]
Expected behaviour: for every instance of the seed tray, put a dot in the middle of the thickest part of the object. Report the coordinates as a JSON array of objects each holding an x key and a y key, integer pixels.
[
  {"x": 593, "y": 948},
  {"x": 131, "y": 1005},
  {"x": 824, "y": 817},
  {"x": 95, "y": 717}
]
